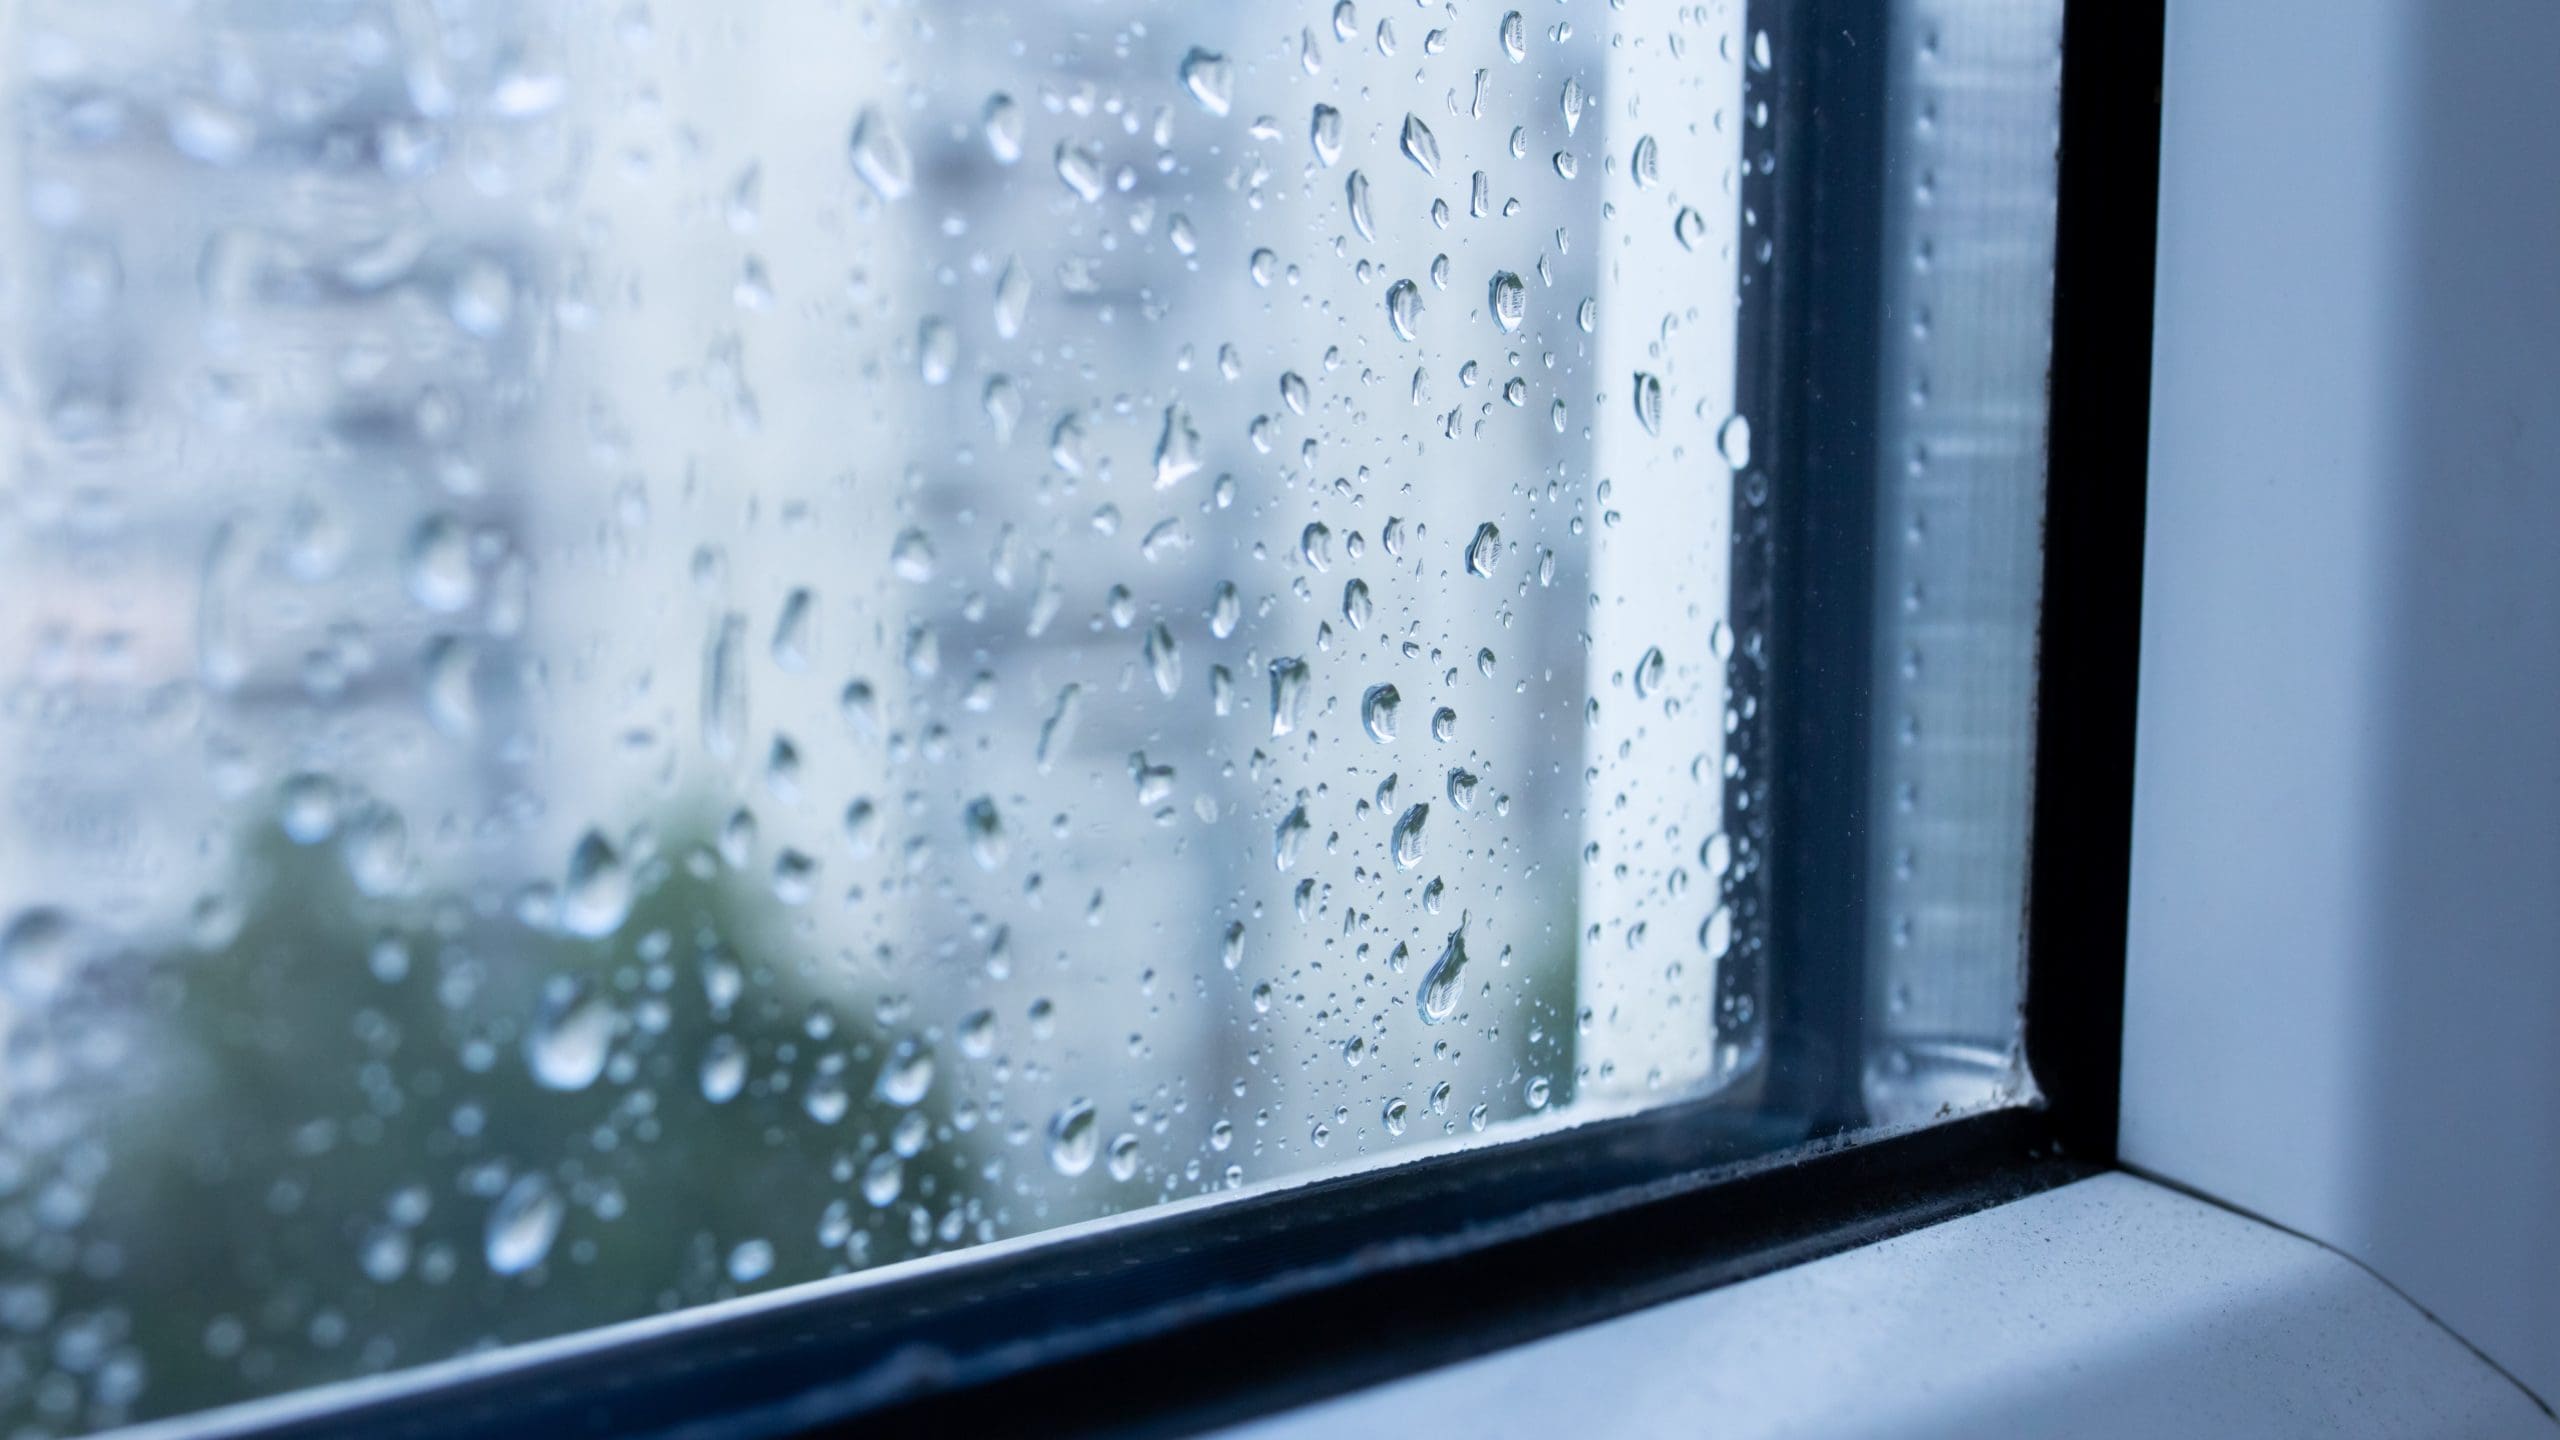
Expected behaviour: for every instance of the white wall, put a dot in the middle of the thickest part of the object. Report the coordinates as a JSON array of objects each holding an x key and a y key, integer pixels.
[{"x": 2343, "y": 1008}]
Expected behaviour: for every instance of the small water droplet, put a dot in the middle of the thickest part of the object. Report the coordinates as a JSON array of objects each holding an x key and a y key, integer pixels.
[
  {"x": 1080, "y": 169},
  {"x": 1177, "y": 448},
  {"x": 1002, "y": 127},
  {"x": 1648, "y": 672},
  {"x": 988, "y": 844},
  {"x": 1733, "y": 441},
  {"x": 1689, "y": 228},
  {"x": 597, "y": 895},
  {"x": 1648, "y": 402}
]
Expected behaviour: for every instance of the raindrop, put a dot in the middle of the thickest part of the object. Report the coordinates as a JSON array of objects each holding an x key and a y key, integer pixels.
[
  {"x": 906, "y": 1075},
  {"x": 1231, "y": 954},
  {"x": 1645, "y": 165},
  {"x": 308, "y": 809},
  {"x": 1648, "y": 672},
  {"x": 1570, "y": 102},
  {"x": 1515, "y": 37},
  {"x": 1288, "y": 693},
  {"x": 523, "y": 1224},
  {"x": 440, "y": 575},
  {"x": 883, "y": 1178},
  {"x": 1075, "y": 1133},
  {"x": 1508, "y": 299},
  {"x": 1058, "y": 731},
  {"x": 791, "y": 630},
  {"x": 1164, "y": 659},
  {"x": 1355, "y": 192},
  {"x": 1733, "y": 441},
  {"x": 751, "y": 1261},
  {"x": 937, "y": 350},
  {"x": 880, "y": 157},
  {"x": 1177, "y": 448},
  {"x": 1404, "y": 307},
  {"x": 1226, "y": 609},
  {"x": 597, "y": 896},
  {"x": 1393, "y": 1117},
  {"x": 724, "y": 1069},
  {"x": 1003, "y": 128},
  {"x": 571, "y": 1036},
  {"x": 1419, "y": 144},
  {"x": 1289, "y": 837},
  {"x": 1013, "y": 298},
  {"x": 987, "y": 842},
  {"x": 1356, "y": 605},
  {"x": 1124, "y": 1158},
  {"x": 724, "y": 687},
  {"x": 1689, "y": 228},
  {"x": 1648, "y": 402},
  {"x": 1211, "y": 79},
  {"x": 1324, "y": 132},
  {"x": 1080, "y": 169},
  {"x": 1408, "y": 836},
  {"x": 1378, "y": 713},
  {"x": 1438, "y": 997},
  {"x": 1484, "y": 549},
  {"x": 1293, "y": 391}
]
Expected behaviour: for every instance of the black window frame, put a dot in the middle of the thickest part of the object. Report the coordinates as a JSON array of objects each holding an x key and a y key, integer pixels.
[{"x": 1169, "y": 1323}]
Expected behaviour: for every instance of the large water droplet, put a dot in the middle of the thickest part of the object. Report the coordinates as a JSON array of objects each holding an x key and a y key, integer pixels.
[
  {"x": 724, "y": 687},
  {"x": 724, "y": 1069},
  {"x": 1485, "y": 550},
  {"x": 1324, "y": 132},
  {"x": 1289, "y": 837},
  {"x": 906, "y": 1075},
  {"x": 751, "y": 1261},
  {"x": 523, "y": 1224},
  {"x": 1645, "y": 165},
  {"x": 1508, "y": 299},
  {"x": 571, "y": 1035},
  {"x": 1689, "y": 228},
  {"x": 597, "y": 896},
  {"x": 1356, "y": 605},
  {"x": 1437, "y": 999},
  {"x": 1210, "y": 78},
  {"x": 1288, "y": 693},
  {"x": 1013, "y": 298},
  {"x": 1164, "y": 659},
  {"x": 987, "y": 842},
  {"x": 1648, "y": 672},
  {"x": 1003, "y": 128},
  {"x": 1404, "y": 308},
  {"x": 1355, "y": 193},
  {"x": 1378, "y": 713},
  {"x": 441, "y": 577},
  {"x": 1419, "y": 144},
  {"x": 1080, "y": 169},
  {"x": 1177, "y": 448},
  {"x": 880, "y": 157},
  {"x": 791, "y": 630},
  {"x": 1515, "y": 37},
  {"x": 1733, "y": 441},
  {"x": 1407, "y": 836},
  {"x": 1075, "y": 1134}
]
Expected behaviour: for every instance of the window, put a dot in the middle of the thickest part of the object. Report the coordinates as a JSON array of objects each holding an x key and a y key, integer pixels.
[{"x": 663, "y": 651}]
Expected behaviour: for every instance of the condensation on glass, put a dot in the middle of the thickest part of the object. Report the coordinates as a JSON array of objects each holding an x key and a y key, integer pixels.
[{"x": 652, "y": 651}]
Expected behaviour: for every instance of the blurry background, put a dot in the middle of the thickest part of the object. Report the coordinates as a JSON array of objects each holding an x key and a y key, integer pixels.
[{"x": 651, "y": 651}]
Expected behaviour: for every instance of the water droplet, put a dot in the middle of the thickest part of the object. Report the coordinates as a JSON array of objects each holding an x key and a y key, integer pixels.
[
  {"x": 883, "y": 1178},
  {"x": 987, "y": 842},
  {"x": 826, "y": 1099},
  {"x": 1075, "y": 1133},
  {"x": 937, "y": 350},
  {"x": 1733, "y": 441},
  {"x": 1648, "y": 402},
  {"x": 1289, "y": 837},
  {"x": 724, "y": 1069},
  {"x": 751, "y": 1261},
  {"x": 1356, "y": 605},
  {"x": 1177, "y": 448},
  {"x": 791, "y": 630},
  {"x": 1210, "y": 78},
  {"x": 906, "y": 1075},
  {"x": 1231, "y": 954},
  {"x": 1508, "y": 299},
  {"x": 1462, "y": 789},
  {"x": 1003, "y": 128},
  {"x": 1378, "y": 713},
  {"x": 1515, "y": 37},
  {"x": 1689, "y": 228},
  {"x": 1419, "y": 144},
  {"x": 1293, "y": 391},
  {"x": 1404, "y": 307},
  {"x": 1324, "y": 132},
  {"x": 1648, "y": 672},
  {"x": 597, "y": 896},
  {"x": 1570, "y": 102},
  {"x": 1164, "y": 659},
  {"x": 1484, "y": 550},
  {"x": 1013, "y": 298},
  {"x": 523, "y": 1224},
  {"x": 1288, "y": 693},
  {"x": 1355, "y": 192},
  {"x": 1393, "y": 1117},
  {"x": 1408, "y": 836},
  {"x": 1058, "y": 731},
  {"x": 1535, "y": 1092},
  {"x": 1444, "y": 724},
  {"x": 1080, "y": 169},
  {"x": 724, "y": 687},
  {"x": 441, "y": 577},
  {"x": 1226, "y": 609},
  {"x": 1438, "y": 997},
  {"x": 880, "y": 157},
  {"x": 571, "y": 1035},
  {"x": 1124, "y": 1158},
  {"x": 1645, "y": 165}
]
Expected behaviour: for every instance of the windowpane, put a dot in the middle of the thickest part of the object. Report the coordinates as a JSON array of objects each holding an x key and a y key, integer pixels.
[{"x": 656, "y": 651}]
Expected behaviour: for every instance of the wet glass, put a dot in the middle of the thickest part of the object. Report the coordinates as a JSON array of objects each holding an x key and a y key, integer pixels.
[{"x": 655, "y": 651}]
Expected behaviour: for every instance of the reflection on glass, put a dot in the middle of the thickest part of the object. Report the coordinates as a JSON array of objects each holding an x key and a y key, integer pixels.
[{"x": 654, "y": 651}]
